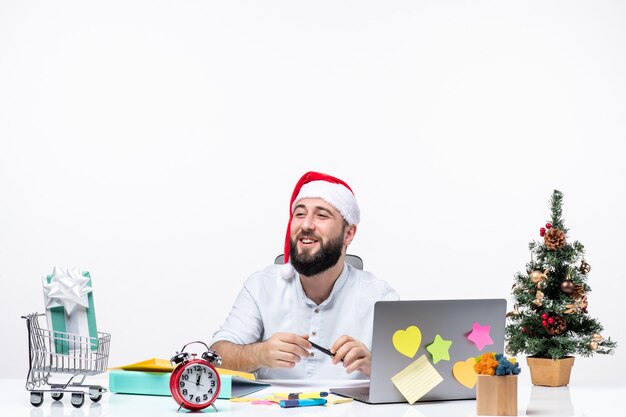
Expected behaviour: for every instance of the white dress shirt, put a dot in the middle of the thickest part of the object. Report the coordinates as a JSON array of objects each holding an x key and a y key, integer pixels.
[{"x": 268, "y": 304}]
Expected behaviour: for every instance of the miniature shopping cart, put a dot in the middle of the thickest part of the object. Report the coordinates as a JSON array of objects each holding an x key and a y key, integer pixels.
[{"x": 51, "y": 352}]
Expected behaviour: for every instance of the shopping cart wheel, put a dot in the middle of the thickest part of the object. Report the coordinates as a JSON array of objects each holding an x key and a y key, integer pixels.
[
  {"x": 56, "y": 396},
  {"x": 78, "y": 398},
  {"x": 36, "y": 398},
  {"x": 95, "y": 394}
]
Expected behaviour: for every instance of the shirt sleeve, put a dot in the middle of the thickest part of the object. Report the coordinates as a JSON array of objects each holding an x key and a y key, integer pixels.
[
  {"x": 243, "y": 324},
  {"x": 390, "y": 294}
]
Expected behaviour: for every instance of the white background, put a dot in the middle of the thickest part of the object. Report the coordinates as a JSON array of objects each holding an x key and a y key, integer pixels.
[{"x": 156, "y": 144}]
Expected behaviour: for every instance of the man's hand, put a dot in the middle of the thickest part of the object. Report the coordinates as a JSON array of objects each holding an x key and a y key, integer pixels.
[
  {"x": 283, "y": 350},
  {"x": 356, "y": 356}
]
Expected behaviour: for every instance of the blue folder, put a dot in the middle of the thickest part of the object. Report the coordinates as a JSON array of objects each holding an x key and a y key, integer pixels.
[{"x": 158, "y": 383}]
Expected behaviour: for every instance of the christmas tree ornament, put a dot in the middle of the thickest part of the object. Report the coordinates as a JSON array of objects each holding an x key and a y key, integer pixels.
[
  {"x": 548, "y": 225},
  {"x": 595, "y": 341},
  {"x": 585, "y": 268},
  {"x": 577, "y": 306},
  {"x": 538, "y": 301},
  {"x": 579, "y": 291},
  {"x": 542, "y": 232},
  {"x": 554, "y": 239},
  {"x": 556, "y": 325},
  {"x": 539, "y": 278},
  {"x": 567, "y": 286}
]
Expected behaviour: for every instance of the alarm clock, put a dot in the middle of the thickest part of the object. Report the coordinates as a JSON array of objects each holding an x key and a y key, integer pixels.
[{"x": 194, "y": 382}]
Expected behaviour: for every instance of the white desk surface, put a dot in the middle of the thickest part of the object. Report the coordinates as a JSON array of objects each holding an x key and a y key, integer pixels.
[{"x": 583, "y": 401}]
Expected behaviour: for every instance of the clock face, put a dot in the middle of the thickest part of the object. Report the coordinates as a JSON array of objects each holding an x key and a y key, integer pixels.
[{"x": 198, "y": 384}]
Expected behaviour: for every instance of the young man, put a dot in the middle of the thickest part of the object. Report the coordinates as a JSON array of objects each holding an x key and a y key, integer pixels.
[{"x": 315, "y": 296}]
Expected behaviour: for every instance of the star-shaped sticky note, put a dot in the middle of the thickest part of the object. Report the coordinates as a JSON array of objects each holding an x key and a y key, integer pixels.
[
  {"x": 480, "y": 336},
  {"x": 439, "y": 349}
]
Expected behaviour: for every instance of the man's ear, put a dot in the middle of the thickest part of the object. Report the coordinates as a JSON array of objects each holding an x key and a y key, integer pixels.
[{"x": 349, "y": 234}]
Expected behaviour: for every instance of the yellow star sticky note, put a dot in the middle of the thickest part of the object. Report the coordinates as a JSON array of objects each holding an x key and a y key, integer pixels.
[
  {"x": 439, "y": 349},
  {"x": 417, "y": 379}
]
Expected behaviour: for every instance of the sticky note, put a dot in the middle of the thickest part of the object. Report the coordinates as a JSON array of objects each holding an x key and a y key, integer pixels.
[
  {"x": 407, "y": 341},
  {"x": 417, "y": 379},
  {"x": 332, "y": 399},
  {"x": 439, "y": 349},
  {"x": 464, "y": 372},
  {"x": 253, "y": 399},
  {"x": 480, "y": 336}
]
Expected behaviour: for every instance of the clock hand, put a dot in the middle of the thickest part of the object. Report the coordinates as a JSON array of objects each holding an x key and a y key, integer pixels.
[{"x": 198, "y": 379}]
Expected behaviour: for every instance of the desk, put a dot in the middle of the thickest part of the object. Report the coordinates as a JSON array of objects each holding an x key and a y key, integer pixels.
[{"x": 535, "y": 401}]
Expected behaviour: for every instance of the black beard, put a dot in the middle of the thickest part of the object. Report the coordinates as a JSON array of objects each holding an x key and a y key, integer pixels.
[{"x": 325, "y": 258}]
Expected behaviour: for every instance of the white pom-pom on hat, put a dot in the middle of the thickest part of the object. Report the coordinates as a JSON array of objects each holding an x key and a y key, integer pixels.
[{"x": 287, "y": 272}]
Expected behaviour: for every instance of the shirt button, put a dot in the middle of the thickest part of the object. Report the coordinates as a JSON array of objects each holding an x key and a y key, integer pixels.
[
  {"x": 312, "y": 354},
  {"x": 317, "y": 310},
  {"x": 313, "y": 333}
]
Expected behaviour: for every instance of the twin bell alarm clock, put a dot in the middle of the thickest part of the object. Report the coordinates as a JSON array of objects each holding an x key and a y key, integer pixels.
[{"x": 194, "y": 382}]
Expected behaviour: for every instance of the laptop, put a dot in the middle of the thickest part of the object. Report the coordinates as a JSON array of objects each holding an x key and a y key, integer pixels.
[{"x": 452, "y": 320}]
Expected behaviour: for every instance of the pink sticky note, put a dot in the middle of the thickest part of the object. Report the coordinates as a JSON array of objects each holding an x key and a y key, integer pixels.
[{"x": 480, "y": 336}]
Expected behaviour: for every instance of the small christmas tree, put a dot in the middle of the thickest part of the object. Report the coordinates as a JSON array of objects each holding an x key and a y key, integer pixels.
[{"x": 550, "y": 318}]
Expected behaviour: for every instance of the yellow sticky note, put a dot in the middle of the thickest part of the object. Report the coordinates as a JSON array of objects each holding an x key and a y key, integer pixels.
[
  {"x": 417, "y": 379},
  {"x": 333, "y": 399},
  {"x": 251, "y": 399},
  {"x": 464, "y": 372},
  {"x": 407, "y": 341}
]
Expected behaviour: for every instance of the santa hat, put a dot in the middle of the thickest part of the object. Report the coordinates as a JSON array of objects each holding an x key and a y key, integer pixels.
[{"x": 330, "y": 189}]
